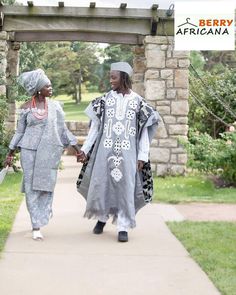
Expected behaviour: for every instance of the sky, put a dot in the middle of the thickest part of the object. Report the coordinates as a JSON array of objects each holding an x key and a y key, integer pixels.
[{"x": 163, "y": 4}]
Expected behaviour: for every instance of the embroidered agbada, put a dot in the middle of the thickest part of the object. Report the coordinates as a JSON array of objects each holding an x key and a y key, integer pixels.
[{"x": 110, "y": 181}]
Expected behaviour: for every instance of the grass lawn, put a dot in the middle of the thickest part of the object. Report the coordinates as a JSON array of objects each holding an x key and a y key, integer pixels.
[
  {"x": 10, "y": 199},
  {"x": 73, "y": 111},
  {"x": 212, "y": 245},
  {"x": 190, "y": 189}
]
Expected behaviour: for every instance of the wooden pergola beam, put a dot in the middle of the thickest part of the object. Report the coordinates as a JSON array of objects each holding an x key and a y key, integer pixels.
[
  {"x": 61, "y": 4},
  {"x": 131, "y": 26},
  {"x": 114, "y": 25},
  {"x": 82, "y": 36},
  {"x": 30, "y": 3},
  {"x": 123, "y": 5},
  {"x": 77, "y": 12},
  {"x": 154, "y": 6},
  {"x": 92, "y": 4}
]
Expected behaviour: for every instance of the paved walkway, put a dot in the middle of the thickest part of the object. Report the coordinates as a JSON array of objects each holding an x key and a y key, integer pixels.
[
  {"x": 207, "y": 212},
  {"x": 74, "y": 261}
]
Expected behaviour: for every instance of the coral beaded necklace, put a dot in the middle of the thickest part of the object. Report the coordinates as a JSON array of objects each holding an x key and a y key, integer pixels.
[{"x": 38, "y": 113}]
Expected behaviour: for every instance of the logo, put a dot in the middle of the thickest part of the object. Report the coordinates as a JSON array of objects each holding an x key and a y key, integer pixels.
[{"x": 204, "y": 25}]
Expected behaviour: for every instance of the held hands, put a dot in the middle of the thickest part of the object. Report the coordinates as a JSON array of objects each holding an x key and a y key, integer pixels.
[{"x": 81, "y": 157}]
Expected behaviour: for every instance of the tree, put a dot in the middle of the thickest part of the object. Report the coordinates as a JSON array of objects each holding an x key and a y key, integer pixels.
[
  {"x": 217, "y": 92},
  {"x": 114, "y": 53},
  {"x": 68, "y": 64},
  {"x": 217, "y": 60},
  {"x": 197, "y": 60}
]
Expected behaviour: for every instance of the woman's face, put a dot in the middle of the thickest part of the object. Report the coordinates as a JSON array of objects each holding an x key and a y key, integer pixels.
[
  {"x": 46, "y": 91},
  {"x": 115, "y": 80}
]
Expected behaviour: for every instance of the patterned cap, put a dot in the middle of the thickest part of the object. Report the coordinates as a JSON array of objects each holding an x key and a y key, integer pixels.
[{"x": 122, "y": 67}]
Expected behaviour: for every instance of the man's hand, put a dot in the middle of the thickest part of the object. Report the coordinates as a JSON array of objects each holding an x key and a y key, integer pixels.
[
  {"x": 140, "y": 165},
  {"x": 81, "y": 157}
]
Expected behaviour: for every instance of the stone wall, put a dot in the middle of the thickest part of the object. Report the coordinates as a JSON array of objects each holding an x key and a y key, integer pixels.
[
  {"x": 9, "y": 59},
  {"x": 80, "y": 130},
  {"x": 162, "y": 74}
]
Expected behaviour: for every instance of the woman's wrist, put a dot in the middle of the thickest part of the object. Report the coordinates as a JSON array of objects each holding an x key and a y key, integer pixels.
[{"x": 11, "y": 153}]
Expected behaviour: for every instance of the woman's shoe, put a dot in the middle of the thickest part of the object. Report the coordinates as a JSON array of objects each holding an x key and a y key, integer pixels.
[
  {"x": 98, "y": 229},
  {"x": 122, "y": 236},
  {"x": 36, "y": 235}
]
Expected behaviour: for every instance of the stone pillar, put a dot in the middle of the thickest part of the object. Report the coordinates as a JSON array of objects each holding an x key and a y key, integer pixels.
[
  {"x": 166, "y": 88},
  {"x": 139, "y": 69},
  {"x": 3, "y": 61},
  {"x": 12, "y": 72}
]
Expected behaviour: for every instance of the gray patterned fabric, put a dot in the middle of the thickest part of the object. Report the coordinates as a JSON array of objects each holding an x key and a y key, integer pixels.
[
  {"x": 41, "y": 143},
  {"x": 39, "y": 203},
  {"x": 33, "y": 81},
  {"x": 119, "y": 187}
]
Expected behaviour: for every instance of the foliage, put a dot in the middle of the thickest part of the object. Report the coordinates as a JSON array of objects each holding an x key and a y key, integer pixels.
[
  {"x": 212, "y": 245},
  {"x": 66, "y": 63},
  {"x": 217, "y": 89},
  {"x": 76, "y": 112},
  {"x": 216, "y": 61},
  {"x": 4, "y": 138},
  {"x": 10, "y": 199},
  {"x": 197, "y": 60},
  {"x": 114, "y": 53},
  {"x": 215, "y": 156}
]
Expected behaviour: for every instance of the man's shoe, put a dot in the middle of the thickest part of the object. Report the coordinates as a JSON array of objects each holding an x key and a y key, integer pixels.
[
  {"x": 123, "y": 236},
  {"x": 98, "y": 229}
]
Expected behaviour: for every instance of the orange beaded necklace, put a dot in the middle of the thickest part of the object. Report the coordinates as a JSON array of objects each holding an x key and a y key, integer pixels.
[{"x": 36, "y": 113}]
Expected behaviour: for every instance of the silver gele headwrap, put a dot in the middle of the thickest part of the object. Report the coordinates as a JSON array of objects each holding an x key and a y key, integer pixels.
[
  {"x": 122, "y": 67},
  {"x": 33, "y": 81}
]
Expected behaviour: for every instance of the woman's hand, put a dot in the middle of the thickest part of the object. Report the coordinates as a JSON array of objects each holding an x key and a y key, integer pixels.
[
  {"x": 140, "y": 165},
  {"x": 8, "y": 161},
  {"x": 81, "y": 157}
]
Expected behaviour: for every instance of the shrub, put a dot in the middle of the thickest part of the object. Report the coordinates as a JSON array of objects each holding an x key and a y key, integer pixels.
[{"x": 213, "y": 156}]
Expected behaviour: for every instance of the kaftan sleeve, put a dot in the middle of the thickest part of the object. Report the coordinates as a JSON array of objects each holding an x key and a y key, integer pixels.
[
  {"x": 20, "y": 130},
  {"x": 66, "y": 136},
  {"x": 144, "y": 146},
  {"x": 92, "y": 136}
]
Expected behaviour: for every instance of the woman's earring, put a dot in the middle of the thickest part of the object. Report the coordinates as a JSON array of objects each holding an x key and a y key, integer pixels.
[{"x": 39, "y": 92}]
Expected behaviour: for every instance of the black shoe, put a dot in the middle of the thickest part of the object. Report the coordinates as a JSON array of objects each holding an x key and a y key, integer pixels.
[
  {"x": 98, "y": 229},
  {"x": 123, "y": 236}
]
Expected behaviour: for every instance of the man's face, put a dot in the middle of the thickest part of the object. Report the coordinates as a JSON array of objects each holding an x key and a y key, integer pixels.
[{"x": 115, "y": 80}]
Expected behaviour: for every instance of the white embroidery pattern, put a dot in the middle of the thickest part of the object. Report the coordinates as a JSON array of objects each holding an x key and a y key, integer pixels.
[
  {"x": 110, "y": 113},
  {"x": 108, "y": 129},
  {"x": 133, "y": 104},
  {"x": 132, "y": 131},
  {"x": 105, "y": 127},
  {"x": 125, "y": 144},
  {"x": 116, "y": 174},
  {"x": 108, "y": 143},
  {"x": 110, "y": 101},
  {"x": 117, "y": 145},
  {"x": 121, "y": 104},
  {"x": 116, "y": 160},
  {"x": 130, "y": 114},
  {"x": 118, "y": 128}
]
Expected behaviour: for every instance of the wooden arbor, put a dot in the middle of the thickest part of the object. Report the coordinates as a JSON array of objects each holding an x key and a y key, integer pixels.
[
  {"x": 109, "y": 25},
  {"x": 160, "y": 73}
]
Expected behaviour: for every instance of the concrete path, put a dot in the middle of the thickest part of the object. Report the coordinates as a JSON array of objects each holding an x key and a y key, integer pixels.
[{"x": 71, "y": 260}]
